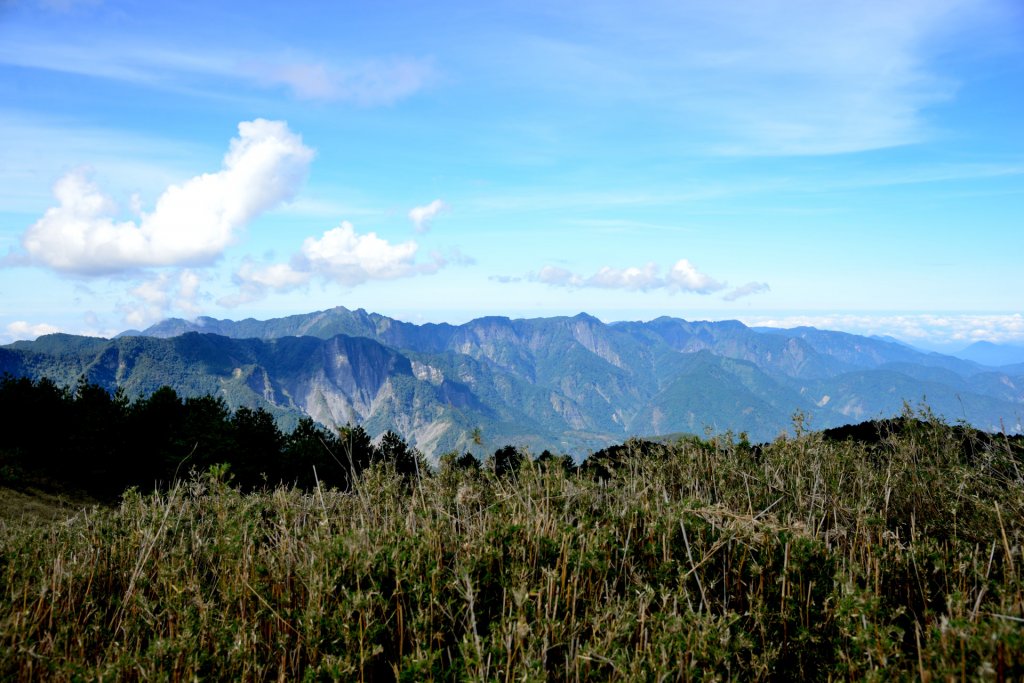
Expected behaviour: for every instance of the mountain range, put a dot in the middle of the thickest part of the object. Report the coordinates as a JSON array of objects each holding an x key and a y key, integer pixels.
[{"x": 573, "y": 384}]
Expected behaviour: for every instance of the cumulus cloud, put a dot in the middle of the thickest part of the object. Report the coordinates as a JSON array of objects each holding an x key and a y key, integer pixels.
[
  {"x": 191, "y": 224},
  {"x": 340, "y": 255},
  {"x": 349, "y": 258},
  {"x": 421, "y": 216},
  {"x": 682, "y": 277},
  {"x": 21, "y": 329},
  {"x": 747, "y": 290},
  {"x": 685, "y": 277}
]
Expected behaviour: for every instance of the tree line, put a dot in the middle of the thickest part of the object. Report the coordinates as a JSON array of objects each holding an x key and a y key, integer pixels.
[
  {"x": 99, "y": 443},
  {"x": 103, "y": 443}
]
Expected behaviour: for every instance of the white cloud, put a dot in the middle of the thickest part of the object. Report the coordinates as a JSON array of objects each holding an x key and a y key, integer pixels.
[
  {"x": 280, "y": 276},
  {"x": 340, "y": 255},
  {"x": 256, "y": 281},
  {"x": 747, "y": 290},
  {"x": 682, "y": 277},
  {"x": 21, "y": 329},
  {"x": 556, "y": 275},
  {"x": 421, "y": 216},
  {"x": 349, "y": 258},
  {"x": 685, "y": 277},
  {"x": 191, "y": 224},
  {"x": 626, "y": 278}
]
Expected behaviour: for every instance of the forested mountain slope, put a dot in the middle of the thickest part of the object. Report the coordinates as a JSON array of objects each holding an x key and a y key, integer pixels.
[{"x": 573, "y": 383}]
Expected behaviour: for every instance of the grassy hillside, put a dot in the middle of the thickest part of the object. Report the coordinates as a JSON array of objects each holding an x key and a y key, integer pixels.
[{"x": 806, "y": 558}]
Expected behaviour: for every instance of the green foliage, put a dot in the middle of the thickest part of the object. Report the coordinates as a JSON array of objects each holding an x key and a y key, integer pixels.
[{"x": 507, "y": 461}]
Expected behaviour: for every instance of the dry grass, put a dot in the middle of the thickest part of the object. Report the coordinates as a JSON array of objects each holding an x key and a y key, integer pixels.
[{"x": 705, "y": 560}]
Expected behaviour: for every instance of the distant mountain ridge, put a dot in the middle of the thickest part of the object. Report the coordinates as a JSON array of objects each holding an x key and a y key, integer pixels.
[
  {"x": 568, "y": 383},
  {"x": 991, "y": 354}
]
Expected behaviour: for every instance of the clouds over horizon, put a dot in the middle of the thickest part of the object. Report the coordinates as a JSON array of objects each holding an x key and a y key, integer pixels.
[
  {"x": 22, "y": 329},
  {"x": 683, "y": 276},
  {"x": 924, "y": 328},
  {"x": 191, "y": 224}
]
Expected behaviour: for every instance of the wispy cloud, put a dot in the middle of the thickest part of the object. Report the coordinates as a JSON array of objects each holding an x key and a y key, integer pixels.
[
  {"x": 748, "y": 289},
  {"x": 366, "y": 82},
  {"x": 767, "y": 78},
  {"x": 191, "y": 224},
  {"x": 35, "y": 149}
]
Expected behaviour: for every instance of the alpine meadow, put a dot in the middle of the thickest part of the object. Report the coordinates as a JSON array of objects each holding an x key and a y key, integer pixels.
[{"x": 675, "y": 340}]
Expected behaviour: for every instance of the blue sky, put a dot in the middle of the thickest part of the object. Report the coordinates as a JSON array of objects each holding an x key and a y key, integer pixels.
[{"x": 852, "y": 165}]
